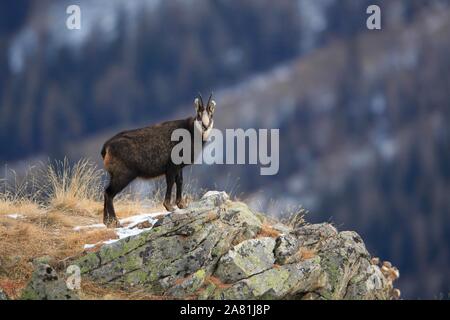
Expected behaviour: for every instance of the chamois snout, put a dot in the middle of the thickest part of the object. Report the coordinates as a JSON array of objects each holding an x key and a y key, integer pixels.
[{"x": 205, "y": 119}]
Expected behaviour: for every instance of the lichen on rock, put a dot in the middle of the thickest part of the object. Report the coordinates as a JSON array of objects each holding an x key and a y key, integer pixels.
[
  {"x": 46, "y": 284},
  {"x": 214, "y": 249},
  {"x": 246, "y": 259}
]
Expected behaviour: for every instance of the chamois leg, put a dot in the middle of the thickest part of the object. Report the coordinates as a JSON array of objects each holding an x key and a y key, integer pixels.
[
  {"x": 170, "y": 180},
  {"x": 116, "y": 184},
  {"x": 181, "y": 203}
]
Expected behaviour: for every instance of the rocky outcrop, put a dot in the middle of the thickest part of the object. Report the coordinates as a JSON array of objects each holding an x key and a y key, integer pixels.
[
  {"x": 220, "y": 249},
  {"x": 217, "y": 250}
]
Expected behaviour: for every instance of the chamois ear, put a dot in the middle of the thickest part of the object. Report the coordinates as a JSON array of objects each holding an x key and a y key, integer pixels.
[
  {"x": 212, "y": 106},
  {"x": 197, "y": 104}
]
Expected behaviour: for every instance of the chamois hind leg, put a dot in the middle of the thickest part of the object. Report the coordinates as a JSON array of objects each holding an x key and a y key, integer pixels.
[
  {"x": 170, "y": 180},
  {"x": 181, "y": 203},
  {"x": 116, "y": 184}
]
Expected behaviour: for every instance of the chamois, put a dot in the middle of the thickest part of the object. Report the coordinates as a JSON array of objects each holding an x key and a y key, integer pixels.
[{"x": 146, "y": 153}]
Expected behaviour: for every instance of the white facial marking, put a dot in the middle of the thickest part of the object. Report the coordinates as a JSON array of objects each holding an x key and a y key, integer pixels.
[
  {"x": 205, "y": 133},
  {"x": 208, "y": 131},
  {"x": 205, "y": 119}
]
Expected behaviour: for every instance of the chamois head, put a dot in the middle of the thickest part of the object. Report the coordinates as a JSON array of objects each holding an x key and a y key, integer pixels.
[{"x": 204, "y": 115}]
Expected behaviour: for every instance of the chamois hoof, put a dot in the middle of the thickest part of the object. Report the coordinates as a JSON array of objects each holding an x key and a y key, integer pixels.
[
  {"x": 112, "y": 223},
  {"x": 182, "y": 204},
  {"x": 169, "y": 206}
]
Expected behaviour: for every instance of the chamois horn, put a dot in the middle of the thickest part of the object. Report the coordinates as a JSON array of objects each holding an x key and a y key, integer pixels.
[
  {"x": 209, "y": 100},
  {"x": 201, "y": 99}
]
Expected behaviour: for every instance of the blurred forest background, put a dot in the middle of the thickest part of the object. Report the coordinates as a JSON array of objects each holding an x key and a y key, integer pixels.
[{"x": 365, "y": 141}]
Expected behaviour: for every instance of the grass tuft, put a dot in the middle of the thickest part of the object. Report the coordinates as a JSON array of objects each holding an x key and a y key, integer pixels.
[{"x": 76, "y": 188}]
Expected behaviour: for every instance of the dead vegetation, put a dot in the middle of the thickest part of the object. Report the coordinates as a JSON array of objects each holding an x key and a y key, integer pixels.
[
  {"x": 268, "y": 231},
  {"x": 296, "y": 218},
  {"x": 305, "y": 254},
  {"x": 218, "y": 283},
  {"x": 92, "y": 291},
  {"x": 39, "y": 212}
]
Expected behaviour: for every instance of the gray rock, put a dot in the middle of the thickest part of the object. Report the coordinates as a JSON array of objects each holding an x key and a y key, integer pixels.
[
  {"x": 3, "y": 295},
  {"x": 285, "y": 282},
  {"x": 45, "y": 284},
  {"x": 217, "y": 198},
  {"x": 246, "y": 259},
  {"x": 311, "y": 234},
  {"x": 214, "y": 250},
  {"x": 286, "y": 248}
]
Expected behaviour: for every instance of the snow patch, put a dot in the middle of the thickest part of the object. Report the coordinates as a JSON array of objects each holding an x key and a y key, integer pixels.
[
  {"x": 92, "y": 226},
  {"x": 129, "y": 227},
  {"x": 15, "y": 216}
]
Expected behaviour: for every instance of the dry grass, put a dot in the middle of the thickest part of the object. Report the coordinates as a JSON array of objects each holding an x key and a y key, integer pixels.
[
  {"x": 36, "y": 235},
  {"x": 19, "y": 195},
  {"x": 268, "y": 231},
  {"x": 295, "y": 217},
  {"x": 39, "y": 212},
  {"x": 211, "y": 216},
  {"x": 218, "y": 283},
  {"x": 92, "y": 291},
  {"x": 26, "y": 239},
  {"x": 8, "y": 207},
  {"x": 12, "y": 288},
  {"x": 76, "y": 188},
  {"x": 305, "y": 254}
]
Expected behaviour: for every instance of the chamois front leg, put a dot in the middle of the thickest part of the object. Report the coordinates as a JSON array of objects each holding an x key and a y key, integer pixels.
[
  {"x": 170, "y": 180},
  {"x": 181, "y": 203}
]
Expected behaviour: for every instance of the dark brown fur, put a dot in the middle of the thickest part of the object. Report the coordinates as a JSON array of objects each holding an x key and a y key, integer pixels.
[
  {"x": 143, "y": 153},
  {"x": 146, "y": 153}
]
